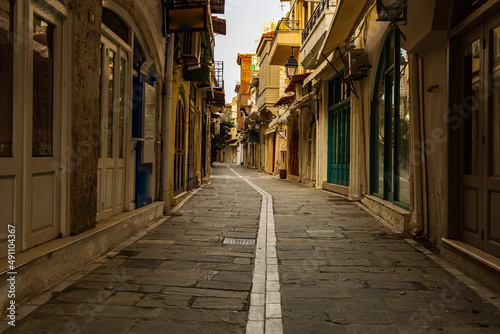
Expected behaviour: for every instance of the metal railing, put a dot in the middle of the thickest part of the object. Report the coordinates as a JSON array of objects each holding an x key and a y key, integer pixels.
[
  {"x": 285, "y": 25},
  {"x": 322, "y": 6}
]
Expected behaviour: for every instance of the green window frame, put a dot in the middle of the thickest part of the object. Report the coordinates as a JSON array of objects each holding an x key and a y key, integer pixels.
[
  {"x": 339, "y": 125},
  {"x": 390, "y": 124}
]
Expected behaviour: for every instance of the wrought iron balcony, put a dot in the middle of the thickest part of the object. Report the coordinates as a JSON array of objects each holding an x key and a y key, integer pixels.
[{"x": 322, "y": 6}]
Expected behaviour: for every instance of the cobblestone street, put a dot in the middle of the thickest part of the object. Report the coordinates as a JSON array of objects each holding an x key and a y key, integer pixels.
[{"x": 252, "y": 253}]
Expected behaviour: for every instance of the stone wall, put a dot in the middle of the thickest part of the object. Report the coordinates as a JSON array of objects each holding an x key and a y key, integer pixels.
[{"x": 85, "y": 113}]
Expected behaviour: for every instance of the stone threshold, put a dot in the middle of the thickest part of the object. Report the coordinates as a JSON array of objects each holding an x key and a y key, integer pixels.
[
  {"x": 393, "y": 214},
  {"x": 343, "y": 190},
  {"x": 481, "y": 266},
  {"x": 43, "y": 266}
]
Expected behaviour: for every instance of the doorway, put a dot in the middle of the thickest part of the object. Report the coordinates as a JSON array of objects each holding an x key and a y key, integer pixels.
[
  {"x": 111, "y": 162},
  {"x": 479, "y": 137}
]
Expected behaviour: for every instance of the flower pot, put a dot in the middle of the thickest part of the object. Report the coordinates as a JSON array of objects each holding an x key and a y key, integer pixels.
[{"x": 282, "y": 173}]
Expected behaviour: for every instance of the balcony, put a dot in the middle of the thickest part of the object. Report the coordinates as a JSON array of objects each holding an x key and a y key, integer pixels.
[
  {"x": 315, "y": 32},
  {"x": 254, "y": 78},
  {"x": 287, "y": 35}
]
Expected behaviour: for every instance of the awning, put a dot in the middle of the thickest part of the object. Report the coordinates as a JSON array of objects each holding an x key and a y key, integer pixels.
[
  {"x": 302, "y": 102},
  {"x": 219, "y": 25},
  {"x": 254, "y": 115},
  {"x": 217, "y": 6},
  {"x": 297, "y": 78},
  {"x": 323, "y": 67},
  {"x": 284, "y": 100},
  {"x": 347, "y": 16},
  {"x": 216, "y": 97}
]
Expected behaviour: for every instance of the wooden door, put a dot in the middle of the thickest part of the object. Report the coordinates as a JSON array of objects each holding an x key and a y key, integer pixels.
[
  {"x": 491, "y": 147},
  {"x": 479, "y": 138},
  {"x": 294, "y": 152},
  {"x": 338, "y": 144},
  {"x": 179, "y": 149},
  {"x": 192, "y": 149}
]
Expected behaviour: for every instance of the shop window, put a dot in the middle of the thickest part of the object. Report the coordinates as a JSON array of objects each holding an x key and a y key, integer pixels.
[
  {"x": 6, "y": 78},
  {"x": 390, "y": 122}
]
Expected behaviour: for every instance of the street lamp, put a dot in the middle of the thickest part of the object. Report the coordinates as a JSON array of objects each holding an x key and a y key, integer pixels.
[{"x": 291, "y": 66}]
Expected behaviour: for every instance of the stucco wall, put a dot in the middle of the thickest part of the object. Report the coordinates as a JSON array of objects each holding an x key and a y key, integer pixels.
[{"x": 435, "y": 65}]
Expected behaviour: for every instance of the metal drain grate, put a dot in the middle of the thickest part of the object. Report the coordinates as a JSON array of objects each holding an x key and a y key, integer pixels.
[
  {"x": 142, "y": 264},
  {"x": 128, "y": 253},
  {"x": 238, "y": 241}
]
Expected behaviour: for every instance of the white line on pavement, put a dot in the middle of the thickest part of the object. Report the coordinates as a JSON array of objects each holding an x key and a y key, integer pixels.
[{"x": 264, "y": 315}]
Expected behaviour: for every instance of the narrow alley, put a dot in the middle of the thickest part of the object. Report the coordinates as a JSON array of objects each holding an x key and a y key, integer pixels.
[{"x": 251, "y": 253}]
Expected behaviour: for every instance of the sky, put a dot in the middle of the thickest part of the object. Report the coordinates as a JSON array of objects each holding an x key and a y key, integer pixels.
[{"x": 244, "y": 22}]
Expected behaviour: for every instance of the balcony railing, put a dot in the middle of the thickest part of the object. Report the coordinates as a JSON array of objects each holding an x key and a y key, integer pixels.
[
  {"x": 285, "y": 25},
  {"x": 322, "y": 6}
]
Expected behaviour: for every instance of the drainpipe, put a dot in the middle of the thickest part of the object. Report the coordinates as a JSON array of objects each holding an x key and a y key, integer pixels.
[
  {"x": 365, "y": 156},
  {"x": 167, "y": 119},
  {"x": 419, "y": 146},
  {"x": 415, "y": 119},
  {"x": 316, "y": 116}
]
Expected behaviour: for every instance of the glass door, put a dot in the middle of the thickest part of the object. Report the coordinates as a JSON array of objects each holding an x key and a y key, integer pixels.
[{"x": 111, "y": 162}]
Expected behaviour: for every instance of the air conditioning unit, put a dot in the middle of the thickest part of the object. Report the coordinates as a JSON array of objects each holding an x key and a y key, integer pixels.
[
  {"x": 355, "y": 64},
  {"x": 191, "y": 46}
]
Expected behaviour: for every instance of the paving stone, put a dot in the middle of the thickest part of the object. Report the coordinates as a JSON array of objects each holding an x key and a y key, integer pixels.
[
  {"x": 339, "y": 270},
  {"x": 242, "y": 261},
  {"x": 164, "y": 301},
  {"x": 218, "y": 303}
]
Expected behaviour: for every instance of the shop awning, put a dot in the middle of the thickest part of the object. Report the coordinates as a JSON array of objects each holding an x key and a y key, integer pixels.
[
  {"x": 296, "y": 78},
  {"x": 284, "y": 100},
  {"x": 347, "y": 16}
]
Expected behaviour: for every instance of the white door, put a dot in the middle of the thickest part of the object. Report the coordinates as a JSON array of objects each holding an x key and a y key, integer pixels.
[
  {"x": 30, "y": 138},
  {"x": 43, "y": 188},
  {"x": 111, "y": 163}
]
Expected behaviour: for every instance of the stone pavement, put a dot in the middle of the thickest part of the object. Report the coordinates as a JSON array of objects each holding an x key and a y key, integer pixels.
[{"x": 340, "y": 271}]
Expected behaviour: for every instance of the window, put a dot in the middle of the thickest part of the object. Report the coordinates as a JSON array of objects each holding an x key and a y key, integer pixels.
[
  {"x": 43, "y": 87},
  {"x": 116, "y": 24},
  {"x": 6, "y": 78},
  {"x": 390, "y": 122}
]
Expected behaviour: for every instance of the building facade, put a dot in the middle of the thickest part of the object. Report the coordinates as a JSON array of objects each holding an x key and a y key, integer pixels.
[{"x": 93, "y": 119}]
